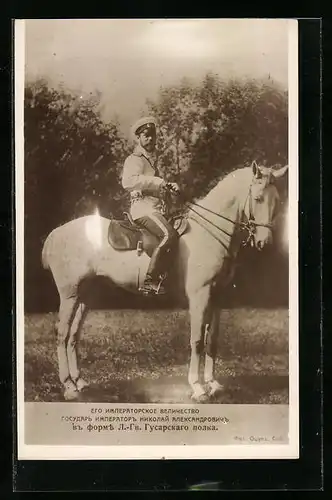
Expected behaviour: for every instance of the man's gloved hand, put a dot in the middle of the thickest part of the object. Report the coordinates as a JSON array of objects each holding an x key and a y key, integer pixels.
[
  {"x": 170, "y": 189},
  {"x": 174, "y": 187}
]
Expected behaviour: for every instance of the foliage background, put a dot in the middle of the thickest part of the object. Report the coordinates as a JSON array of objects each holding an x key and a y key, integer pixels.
[{"x": 73, "y": 164}]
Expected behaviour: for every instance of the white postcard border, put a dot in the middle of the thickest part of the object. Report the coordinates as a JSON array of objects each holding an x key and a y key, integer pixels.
[{"x": 28, "y": 452}]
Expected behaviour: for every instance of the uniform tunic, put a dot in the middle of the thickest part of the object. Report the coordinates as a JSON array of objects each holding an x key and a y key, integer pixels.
[{"x": 140, "y": 178}]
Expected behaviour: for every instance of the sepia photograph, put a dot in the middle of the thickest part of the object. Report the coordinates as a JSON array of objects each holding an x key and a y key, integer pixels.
[{"x": 156, "y": 167}]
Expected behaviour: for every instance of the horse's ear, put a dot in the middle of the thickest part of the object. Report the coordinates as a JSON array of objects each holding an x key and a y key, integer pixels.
[
  {"x": 279, "y": 173},
  {"x": 256, "y": 170}
]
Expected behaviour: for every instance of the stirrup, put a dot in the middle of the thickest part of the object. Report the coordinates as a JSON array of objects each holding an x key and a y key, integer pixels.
[
  {"x": 160, "y": 289},
  {"x": 150, "y": 291},
  {"x": 153, "y": 288}
]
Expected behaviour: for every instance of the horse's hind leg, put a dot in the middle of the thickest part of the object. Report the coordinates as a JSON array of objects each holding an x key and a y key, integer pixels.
[
  {"x": 72, "y": 346},
  {"x": 67, "y": 311}
]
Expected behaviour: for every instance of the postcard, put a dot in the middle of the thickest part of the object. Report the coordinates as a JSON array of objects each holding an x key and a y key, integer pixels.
[{"x": 156, "y": 181}]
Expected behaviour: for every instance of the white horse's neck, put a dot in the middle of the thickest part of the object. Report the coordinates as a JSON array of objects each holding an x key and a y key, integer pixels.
[{"x": 229, "y": 195}]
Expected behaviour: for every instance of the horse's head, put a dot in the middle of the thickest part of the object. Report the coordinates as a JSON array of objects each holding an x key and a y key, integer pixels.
[{"x": 262, "y": 202}]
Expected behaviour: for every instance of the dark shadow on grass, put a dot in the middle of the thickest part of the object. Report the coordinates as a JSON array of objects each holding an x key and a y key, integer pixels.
[
  {"x": 161, "y": 390},
  {"x": 122, "y": 392},
  {"x": 248, "y": 389},
  {"x": 48, "y": 393},
  {"x": 256, "y": 389}
]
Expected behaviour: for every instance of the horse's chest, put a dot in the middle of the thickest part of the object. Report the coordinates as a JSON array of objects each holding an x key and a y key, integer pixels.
[
  {"x": 206, "y": 266},
  {"x": 226, "y": 273}
]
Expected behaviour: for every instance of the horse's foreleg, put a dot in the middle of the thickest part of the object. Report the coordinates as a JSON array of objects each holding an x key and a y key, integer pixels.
[
  {"x": 211, "y": 345},
  {"x": 66, "y": 314},
  {"x": 72, "y": 346},
  {"x": 199, "y": 309}
]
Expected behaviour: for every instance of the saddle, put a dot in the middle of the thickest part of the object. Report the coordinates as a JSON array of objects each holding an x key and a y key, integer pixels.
[{"x": 126, "y": 235}]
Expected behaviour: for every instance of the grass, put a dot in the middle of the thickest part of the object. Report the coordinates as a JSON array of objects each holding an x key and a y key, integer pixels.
[{"x": 142, "y": 356}]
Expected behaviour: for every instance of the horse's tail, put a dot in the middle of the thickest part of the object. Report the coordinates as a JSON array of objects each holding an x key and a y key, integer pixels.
[{"x": 45, "y": 252}]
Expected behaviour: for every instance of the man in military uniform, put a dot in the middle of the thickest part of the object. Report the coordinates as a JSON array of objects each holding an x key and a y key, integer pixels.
[{"x": 140, "y": 177}]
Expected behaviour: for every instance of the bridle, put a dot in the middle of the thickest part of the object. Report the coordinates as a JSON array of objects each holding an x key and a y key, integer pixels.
[{"x": 249, "y": 225}]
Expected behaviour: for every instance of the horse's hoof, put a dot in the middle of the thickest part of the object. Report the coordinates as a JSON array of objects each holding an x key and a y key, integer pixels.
[
  {"x": 199, "y": 395},
  {"x": 81, "y": 384},
  {"x": 203, "y": 398},
  {"x": 214, "y": 388},
  {"x": 71, "y": 395},
  {"x": 70, "y": 392}
]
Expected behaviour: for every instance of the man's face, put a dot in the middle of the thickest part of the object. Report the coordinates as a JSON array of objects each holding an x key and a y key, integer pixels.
[{"x": 147, "y": 139}]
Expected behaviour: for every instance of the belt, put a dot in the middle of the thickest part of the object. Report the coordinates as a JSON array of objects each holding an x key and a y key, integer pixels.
[{"x": 139, "y": 195}]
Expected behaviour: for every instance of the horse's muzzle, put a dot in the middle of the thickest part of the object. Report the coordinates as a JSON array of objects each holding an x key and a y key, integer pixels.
[{"x": 262, "y": 237}]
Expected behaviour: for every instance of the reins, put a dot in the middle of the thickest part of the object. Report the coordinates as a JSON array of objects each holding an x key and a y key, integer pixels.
[
  {"x": 249, "y": 225},
  {"x": 250, "y": 221}
]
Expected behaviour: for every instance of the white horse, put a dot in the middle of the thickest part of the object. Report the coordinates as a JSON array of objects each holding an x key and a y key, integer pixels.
[{"x": 239, "y": 209}]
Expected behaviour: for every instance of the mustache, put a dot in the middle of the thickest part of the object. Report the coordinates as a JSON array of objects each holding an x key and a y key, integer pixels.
[{"x": 150, "y": 141}]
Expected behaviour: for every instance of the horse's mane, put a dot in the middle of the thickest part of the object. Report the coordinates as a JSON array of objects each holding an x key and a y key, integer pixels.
[{"x": 232, "y": 184}]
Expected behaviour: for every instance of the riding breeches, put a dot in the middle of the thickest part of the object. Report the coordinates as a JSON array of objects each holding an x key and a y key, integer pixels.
[{"x": 157, "y": 225}]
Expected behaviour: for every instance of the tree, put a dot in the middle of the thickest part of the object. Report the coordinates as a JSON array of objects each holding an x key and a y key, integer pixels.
[
  {"x": 69, "y": 147},
  {"x": 73, "y": 161},
  {"x": 212, "y": 128}
]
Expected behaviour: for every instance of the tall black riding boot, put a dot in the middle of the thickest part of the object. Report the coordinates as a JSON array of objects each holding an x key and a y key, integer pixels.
[{"x": 153, "y": 281}]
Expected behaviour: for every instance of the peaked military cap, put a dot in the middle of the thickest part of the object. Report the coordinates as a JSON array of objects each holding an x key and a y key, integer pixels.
[{"x": 142, "y": 124}]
